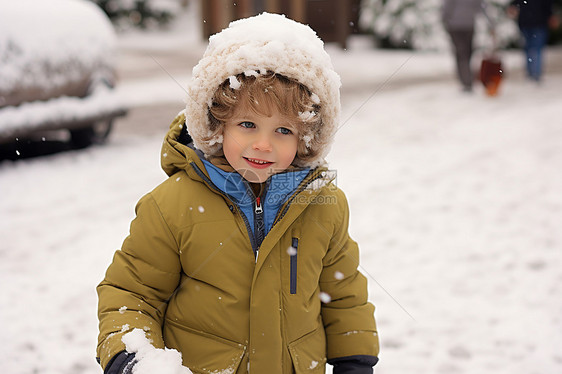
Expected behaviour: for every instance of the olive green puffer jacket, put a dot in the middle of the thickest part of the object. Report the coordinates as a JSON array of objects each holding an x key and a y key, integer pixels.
[{"x": 187, "y": 275}]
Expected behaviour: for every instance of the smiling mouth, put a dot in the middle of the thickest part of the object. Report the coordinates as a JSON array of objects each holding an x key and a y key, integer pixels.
[{"x": 257, "y": 163}]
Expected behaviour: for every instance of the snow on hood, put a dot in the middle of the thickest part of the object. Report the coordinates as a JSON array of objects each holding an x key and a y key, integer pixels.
[{"x": 266, "y": 42}]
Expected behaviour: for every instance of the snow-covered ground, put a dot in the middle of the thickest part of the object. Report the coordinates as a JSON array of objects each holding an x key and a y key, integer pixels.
[{"x": 455, "y": 201}]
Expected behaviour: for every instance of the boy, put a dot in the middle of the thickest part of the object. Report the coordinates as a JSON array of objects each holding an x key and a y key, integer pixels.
[{"x": 241, "y": 260}]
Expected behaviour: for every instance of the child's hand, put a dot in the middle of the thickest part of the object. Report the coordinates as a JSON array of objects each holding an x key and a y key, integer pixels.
[{"x": 150, "y": 360}]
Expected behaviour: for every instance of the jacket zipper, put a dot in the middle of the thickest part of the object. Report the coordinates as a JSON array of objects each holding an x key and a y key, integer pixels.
[
  {"x": 293, "y": 266},
  {"x": 259, "y": 225},
  {"x": 256, "y": 236},
  {"x": 259, "y": 220}
]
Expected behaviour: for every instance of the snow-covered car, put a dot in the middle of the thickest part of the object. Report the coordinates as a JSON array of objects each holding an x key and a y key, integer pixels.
[{"x": 57, "y": 70}]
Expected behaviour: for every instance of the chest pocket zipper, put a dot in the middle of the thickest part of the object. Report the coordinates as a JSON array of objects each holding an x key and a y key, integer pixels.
[{"x": 293, "y": 265}]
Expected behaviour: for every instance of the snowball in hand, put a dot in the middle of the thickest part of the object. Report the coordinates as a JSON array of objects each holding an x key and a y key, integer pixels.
[{"x": 152, "y": 360}]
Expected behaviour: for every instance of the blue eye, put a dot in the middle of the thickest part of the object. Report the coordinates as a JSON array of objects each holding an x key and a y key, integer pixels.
[
  {"x": 284, "y": 131},
  {"x": 247, "y": 125}
]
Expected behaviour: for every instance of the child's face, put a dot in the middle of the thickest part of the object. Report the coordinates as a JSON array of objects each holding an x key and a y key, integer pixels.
[{"x": 258, "y": 146}]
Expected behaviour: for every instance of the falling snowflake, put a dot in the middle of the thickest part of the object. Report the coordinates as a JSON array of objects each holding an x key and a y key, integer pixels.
[
  {"x": 325, "y": 298},
  {"x": 291, "y": 251},
  {"x": 338, "y": 275},
  {"x": 201, "y": 209}
]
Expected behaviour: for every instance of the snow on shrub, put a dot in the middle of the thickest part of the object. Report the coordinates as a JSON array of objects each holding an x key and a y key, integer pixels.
[
  {"x": 139, "y": 13},
  {"x": 417, "y": 24}
]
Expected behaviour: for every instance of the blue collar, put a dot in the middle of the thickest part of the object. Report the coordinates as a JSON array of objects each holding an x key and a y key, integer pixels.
[{"x": 278, "y": 188}]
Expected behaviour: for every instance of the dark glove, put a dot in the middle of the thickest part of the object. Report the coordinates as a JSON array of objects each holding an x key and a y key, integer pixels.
[
  {"x": 121, "y": 363},
  {"x": 353, "y": 364}
]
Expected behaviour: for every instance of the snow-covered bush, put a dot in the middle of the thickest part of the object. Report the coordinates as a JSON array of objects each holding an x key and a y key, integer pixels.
[
  {"x": 139, "y": 13},
  {"x": 417, "y": 24}
]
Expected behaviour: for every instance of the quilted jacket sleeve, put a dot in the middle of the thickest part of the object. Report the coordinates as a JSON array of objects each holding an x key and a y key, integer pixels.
[
  {"x": 348, "y": 317},
  {"x": 142, "y": 277}
]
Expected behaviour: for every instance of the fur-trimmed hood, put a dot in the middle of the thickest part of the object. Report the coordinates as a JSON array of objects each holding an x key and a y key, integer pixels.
[{"x": 267, "y": 42}]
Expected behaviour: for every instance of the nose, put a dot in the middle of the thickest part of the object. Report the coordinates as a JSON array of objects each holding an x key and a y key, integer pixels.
[{"x": 262, "y": 143}]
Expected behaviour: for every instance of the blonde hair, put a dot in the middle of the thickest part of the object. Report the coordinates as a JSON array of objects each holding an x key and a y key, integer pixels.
[{"x": 262, "y": 93}]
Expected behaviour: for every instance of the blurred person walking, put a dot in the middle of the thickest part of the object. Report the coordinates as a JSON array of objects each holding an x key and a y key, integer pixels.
[
  {"x": 458, "y": 18},
  {"x": 534, "y": 18}
]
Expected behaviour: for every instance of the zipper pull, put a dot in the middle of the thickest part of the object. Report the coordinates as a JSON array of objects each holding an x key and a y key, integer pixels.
[
  {"x": 259, "y": 226},
  {"x": 259, "y": 209}
]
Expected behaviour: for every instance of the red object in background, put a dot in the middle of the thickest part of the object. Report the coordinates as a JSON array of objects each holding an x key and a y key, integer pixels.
[{"x": 491, "y": 74}]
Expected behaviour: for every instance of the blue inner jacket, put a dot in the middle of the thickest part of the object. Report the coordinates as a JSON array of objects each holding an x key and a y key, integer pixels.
[{"x": 279, "y": 187}]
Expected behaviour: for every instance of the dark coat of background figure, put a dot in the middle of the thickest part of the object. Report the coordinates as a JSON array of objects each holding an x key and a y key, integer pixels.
[
  {"x": 458, "y": 18},
  {"x": 534, "y": 19}
]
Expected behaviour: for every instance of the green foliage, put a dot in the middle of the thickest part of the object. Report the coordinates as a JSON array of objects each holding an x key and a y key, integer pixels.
[{"x": 137, "y": 13}]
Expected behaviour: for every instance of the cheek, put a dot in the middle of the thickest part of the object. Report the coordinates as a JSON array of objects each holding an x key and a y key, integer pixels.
[
  {"x": 230, "y": 146},
  {"x": 290, "y": 151}
]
